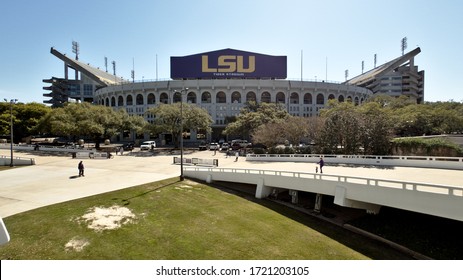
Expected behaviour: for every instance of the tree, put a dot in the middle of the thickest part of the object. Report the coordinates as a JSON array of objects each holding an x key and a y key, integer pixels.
[
  {"x": 268, "y": 134},
  {"x": 253, "y": 116},
  {"x": 342, "y": 130},
  {"x": 168, "y": 118},
  {"x": 25, "y": 117},
  {"x": 386, "y": 101},
  {"x": 413, "y": 120},
  {"x": 290, "y": 130},
  {"x": 377, "y": 130},
  {"x": 86, "y": 120}
]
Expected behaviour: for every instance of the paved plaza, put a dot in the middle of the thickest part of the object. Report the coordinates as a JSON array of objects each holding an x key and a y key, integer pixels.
[{"x": 55, "y": 179}]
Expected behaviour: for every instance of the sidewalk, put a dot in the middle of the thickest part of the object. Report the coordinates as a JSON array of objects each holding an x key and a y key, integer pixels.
[{"x": 54, "y": 179}]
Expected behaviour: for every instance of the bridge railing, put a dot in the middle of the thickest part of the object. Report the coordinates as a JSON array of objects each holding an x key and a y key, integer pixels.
[
  {"x": 357, "y": 192},
  {"x": 405, "y": 161},
  {"x": 369, "y": 182}
]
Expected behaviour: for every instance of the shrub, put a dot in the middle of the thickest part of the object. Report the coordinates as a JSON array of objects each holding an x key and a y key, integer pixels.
[{"x": 426, "y": 147}]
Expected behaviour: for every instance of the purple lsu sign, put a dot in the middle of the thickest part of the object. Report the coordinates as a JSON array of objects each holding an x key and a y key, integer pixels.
[{"x": 227, "y": 63}]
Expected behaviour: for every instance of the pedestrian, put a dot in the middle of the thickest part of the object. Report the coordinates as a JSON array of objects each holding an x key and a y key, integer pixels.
[
  {"x": 237, "y": 154},
  {"x": 215, "y": 150},
  {"x": 81, "y": 169},
  {"x": 321, "y": 163}
]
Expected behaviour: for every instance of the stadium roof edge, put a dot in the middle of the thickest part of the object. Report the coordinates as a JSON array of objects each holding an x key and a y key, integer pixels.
[
  {"x": 386, "y": 67},
  {"x": 99, "y": 76}
]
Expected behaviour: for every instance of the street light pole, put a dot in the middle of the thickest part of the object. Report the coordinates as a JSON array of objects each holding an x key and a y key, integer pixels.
[
  {"x": 181, "y": 138},
  {"x": 181, "y": 132}
]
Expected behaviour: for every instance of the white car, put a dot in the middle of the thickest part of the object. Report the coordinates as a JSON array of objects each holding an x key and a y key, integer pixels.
[
  {"x": 148, "y": 145},
  {"x": 214, "y": 146}
]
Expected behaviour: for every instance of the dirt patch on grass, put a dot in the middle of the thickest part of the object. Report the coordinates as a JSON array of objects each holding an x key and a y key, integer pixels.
[
  {"x": 100, "y": 218},
  {"x": 76, "y": 244}
]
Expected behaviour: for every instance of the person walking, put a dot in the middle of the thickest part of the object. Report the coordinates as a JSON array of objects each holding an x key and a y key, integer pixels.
[
  {"x": 81, "y": 169},
  {"x": 321, "y": 163},
  {"x": 237, "y": 154}
]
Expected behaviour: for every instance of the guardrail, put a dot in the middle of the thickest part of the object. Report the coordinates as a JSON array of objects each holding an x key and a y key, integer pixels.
[
  {"x": 90, "y": 155},
  {"x": 197, "y": 161},
  {"x": 6, "y": 160},
  {"x": 355, "y": 192},
  {"x": 405, "y": 161},
  {"x": 22, "y": 147}
]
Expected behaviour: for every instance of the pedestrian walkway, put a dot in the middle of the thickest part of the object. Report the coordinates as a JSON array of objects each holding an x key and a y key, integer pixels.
[{"x": 54, "y": 179}]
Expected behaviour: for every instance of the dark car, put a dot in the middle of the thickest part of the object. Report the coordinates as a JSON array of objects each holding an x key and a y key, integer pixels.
[
  {"x": 203, "y": 146},
  {"x": 128, "y": 146}
]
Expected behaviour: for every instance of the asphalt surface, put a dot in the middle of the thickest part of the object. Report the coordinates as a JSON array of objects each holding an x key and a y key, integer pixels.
[{"x": 55, "y": 179}]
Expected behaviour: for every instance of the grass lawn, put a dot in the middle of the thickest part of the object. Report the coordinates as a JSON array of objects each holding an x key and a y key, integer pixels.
[{"x": 181, "y": 220}]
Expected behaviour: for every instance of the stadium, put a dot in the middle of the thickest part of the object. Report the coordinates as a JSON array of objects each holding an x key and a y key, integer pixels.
[{"x": 223, "y": 82}]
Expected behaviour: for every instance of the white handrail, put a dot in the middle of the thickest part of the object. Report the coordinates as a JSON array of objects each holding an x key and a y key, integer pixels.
[{"x": 404, "y": 185}]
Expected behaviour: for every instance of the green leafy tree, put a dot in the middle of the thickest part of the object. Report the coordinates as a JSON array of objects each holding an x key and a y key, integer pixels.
[
  {"x": 26, "y": 116},
  {"x": 253, "y": 116},
  {"x": 168, "y": 119},
  {"x": 342, "y": 130},
  {"x": 90, "y": 121},
  {"x": 376, "y": 134},
  {"x": 413, "y": 120}
]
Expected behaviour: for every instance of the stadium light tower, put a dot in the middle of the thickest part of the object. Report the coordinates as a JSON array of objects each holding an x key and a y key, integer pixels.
[
  {"x": 75, "y": 49},
  {"x": 404, "y": 44},
  {"x": 12, "y": 101}
]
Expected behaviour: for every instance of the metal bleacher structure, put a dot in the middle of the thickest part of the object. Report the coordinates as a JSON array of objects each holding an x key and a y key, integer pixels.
[{"x": 349, "y": 191}]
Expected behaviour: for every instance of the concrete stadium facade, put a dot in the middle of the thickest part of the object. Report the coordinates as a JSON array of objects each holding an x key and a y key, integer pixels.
[{"x": 224, "y": 98}]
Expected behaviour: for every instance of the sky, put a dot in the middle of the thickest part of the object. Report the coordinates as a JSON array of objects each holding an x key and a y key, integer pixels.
[{"x": 321, "y": 39}]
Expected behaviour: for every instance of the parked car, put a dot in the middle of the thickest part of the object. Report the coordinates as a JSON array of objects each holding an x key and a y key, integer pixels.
[
  {"x": 202, "y": 146},
  {"x": 214, "y": 146},
  {"x": 238, "y": 144},
  {"x": 127, "y": 146},
  {"x": 225, "y": 147},
  {"x": 147, "y": 145}
]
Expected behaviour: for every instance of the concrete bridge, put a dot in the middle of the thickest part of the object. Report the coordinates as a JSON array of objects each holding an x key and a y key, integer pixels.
[{"x": 357, "y": 192}]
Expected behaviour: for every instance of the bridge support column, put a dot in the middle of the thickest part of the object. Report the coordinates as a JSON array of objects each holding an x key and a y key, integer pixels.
[
  {"x": 341, "y": 199},
  {"x": 294, "y": 196},
  {"x": 262, "y": 190},
  {"x": 318, "y": 203}
]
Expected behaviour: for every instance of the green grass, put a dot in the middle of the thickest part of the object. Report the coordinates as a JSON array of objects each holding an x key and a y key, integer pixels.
[{"x": 184, "y": 220}]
